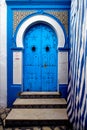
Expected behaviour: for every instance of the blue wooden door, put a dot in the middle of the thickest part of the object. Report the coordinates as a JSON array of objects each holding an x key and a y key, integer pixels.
[{"x": 40, "y": 59}]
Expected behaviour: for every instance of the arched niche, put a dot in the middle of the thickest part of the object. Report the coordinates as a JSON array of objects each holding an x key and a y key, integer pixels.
[
  {"x": 29, "y": 21},
  {"x": 40, "y": 18}
]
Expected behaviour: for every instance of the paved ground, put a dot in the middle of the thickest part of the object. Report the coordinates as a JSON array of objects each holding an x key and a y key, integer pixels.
[{"x": 4, "y": 112}]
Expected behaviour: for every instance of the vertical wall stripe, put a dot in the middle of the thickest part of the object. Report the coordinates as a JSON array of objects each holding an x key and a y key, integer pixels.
[{"x": 76, "y": 100}]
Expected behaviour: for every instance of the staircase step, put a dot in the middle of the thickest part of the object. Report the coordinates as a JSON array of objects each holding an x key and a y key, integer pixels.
[
  {"x": 36, "y": 117},
  {"x": 40, "y": 103},
  {"x": 40, "y": 95}
]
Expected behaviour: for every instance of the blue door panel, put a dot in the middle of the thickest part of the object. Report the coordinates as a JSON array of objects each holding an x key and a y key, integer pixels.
[
  {"x": 40, "y": 59},
  {"x": 49, "y": 60}
]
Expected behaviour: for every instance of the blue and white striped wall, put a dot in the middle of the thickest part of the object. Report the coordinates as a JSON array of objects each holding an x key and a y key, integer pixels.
[{"x": 77, "y": 88}]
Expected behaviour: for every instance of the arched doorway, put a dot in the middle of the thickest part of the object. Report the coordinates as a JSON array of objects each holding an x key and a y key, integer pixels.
[{"x": 40, "y": 58}]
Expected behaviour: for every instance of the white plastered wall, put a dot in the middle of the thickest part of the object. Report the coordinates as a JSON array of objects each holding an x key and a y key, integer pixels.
[
  {"x": 63, "y": 67},
  {"x": 3, "y": 55}
]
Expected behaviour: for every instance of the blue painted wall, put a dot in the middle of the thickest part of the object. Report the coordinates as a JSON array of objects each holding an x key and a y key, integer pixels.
[
  {"x": 77, "y": 110},
  {"x": 35, "y": 6},
  {"x": 39, "y": 2}
]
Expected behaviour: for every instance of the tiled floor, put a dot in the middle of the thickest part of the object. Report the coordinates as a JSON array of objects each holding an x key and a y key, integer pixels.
[{"x": 4, "y": 112}]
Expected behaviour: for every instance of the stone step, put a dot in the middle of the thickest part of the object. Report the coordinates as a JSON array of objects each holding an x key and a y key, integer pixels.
[
  {"x": 40, "y": 95},
  {"x": 40, "y": 103},
  {"x": 36, "y": 117}
]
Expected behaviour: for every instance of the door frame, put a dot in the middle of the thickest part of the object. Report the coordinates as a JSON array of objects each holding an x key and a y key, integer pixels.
[{"x": 50, "y": 20}]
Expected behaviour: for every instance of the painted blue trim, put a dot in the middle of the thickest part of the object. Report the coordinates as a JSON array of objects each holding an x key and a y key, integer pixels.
[
  {"x": 9, "y": 54},
  {"x": 60, "y": 49},
  {"x": 9, "y": 31},
  {"x": 13, "y": 94},
  {"x": 37, "y": 7},
  {"x": 46, "y": 14},
  {"x": 47, "y": 7},
  {"x": 39, "y": 2},
  {"x": 63, "y": 90},
  {"x": 17, "y": 48},
  {"x": 13, "y": 89}
]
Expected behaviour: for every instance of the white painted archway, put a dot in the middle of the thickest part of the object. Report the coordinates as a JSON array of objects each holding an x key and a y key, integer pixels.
[
  {"x": 19, "y": 43},
  {"x": 40, "y": 18}
]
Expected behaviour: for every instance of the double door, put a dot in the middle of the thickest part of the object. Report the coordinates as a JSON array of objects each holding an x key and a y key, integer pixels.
[{"x": 40, "y": 59}]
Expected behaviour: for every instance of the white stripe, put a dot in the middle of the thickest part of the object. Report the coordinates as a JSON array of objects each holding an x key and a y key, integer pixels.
[
  {"x": 81, "y": 55},
  {"x": 68, "y": 107},
  {"x": 81, "y": 86}
]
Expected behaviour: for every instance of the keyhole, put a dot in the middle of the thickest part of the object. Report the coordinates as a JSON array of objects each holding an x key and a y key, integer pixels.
[
  {"x": 47, "y": 49},
  {"x": 33, "y": 48}
]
